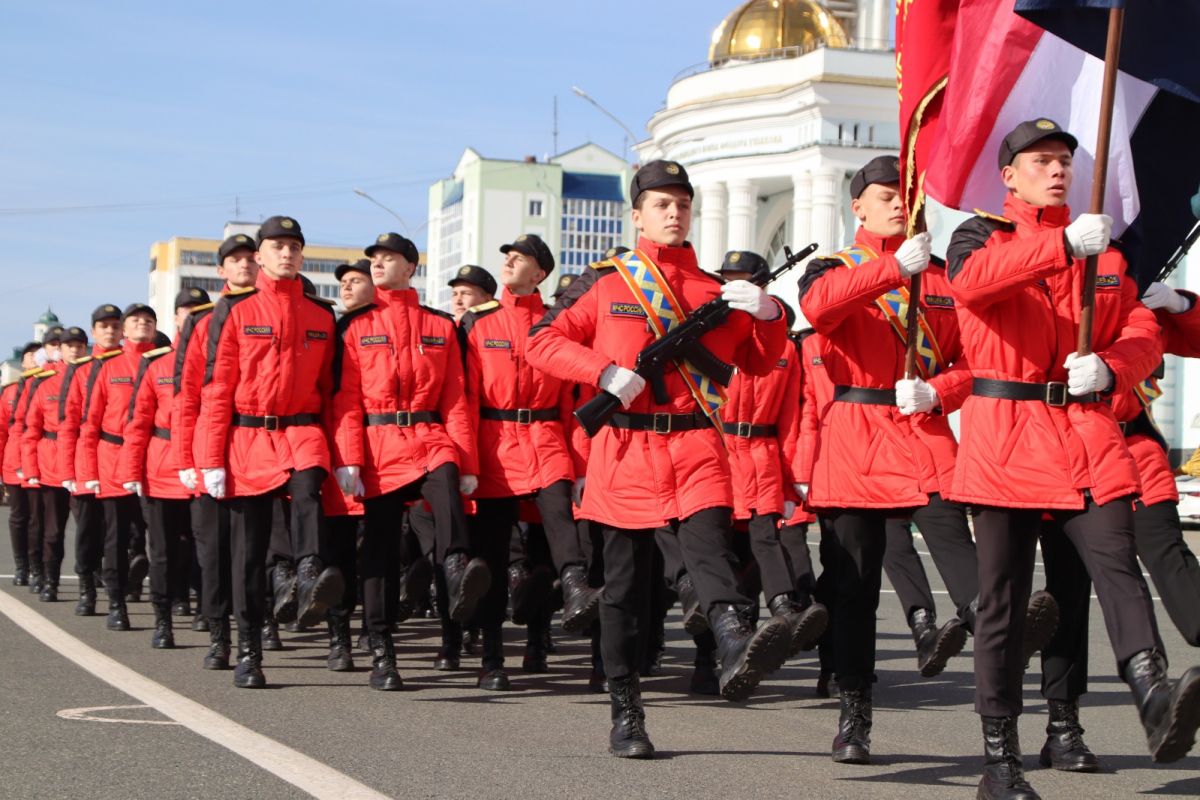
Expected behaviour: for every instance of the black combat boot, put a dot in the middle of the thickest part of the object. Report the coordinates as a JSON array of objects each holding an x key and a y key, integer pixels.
[
  {"x": 968, "y": 615},
  {"x": 248, "y": 673},
  {"x": 217, "y": 656},
  {"x": 1003, "y": 778},
  {"x": 935, "y": 646},
  {"x": 86, "y": 606},
  {"x": 452, "y": 638},
  {"x": 704, "y": 668},
  {"x": 139, "y": 568},
  {"x": 49, "y": 593},
  {"x": 283, "y": 592},
  {"x": 414, "y": 588},
  {"x": 200, "y": 623},
  {"x": 807, "y": 624},
  {"x": 852, "y": 745},
  {"x": 269, "y": 638},
  {"x": 340, "y": 658},
  {"x": 1170, "y": 710},
  {"x": 118, "y": 617},
  {"x": 581, "y": 603},
  {"x": 469, "y": 643},
  {"x": 517, "y": 576},
  {"x": 21, "y": 573},
  {"x": 535, "y": 651},
  {"x": 467, "y": 581},
  {"x": 1064, "y": 748},
  {"x": 163, "y": 637},
  {"x": 825, "y": 683},
  {"x": 1041, "y": 621},
  {"x": 181, "y": 608},
  {"x": 628, "y": 737},
  {"x": 493, "y": 677},
  {"x": 384, "y": 675},
  {"x": 318, "y": 588},
  {"x": 747, "y": 655},
  {"x": 36, "y": 578},
  {"x": 694, "y": 621}
]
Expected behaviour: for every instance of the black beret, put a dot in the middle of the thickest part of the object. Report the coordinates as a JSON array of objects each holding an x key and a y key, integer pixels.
[
  {"x": 75, "y": 334},
  {"x": 191, "y": 296},
  {"x": 236, "y": 242},
  {"x": 280, "y": 228},
  {"x": 106, "y": 311},
  {"x": 475, "y": 276},
  {"x": 31, "y": 347},
  {"x": 656, "y": 175},
  {"x": 53, "y": 335},
  {"x": 532, "y": 245},
  {"x": 397, "y": 244},
  {"x": 564, "y": 283},
  {"x": 1029, "y": 133},
  {"x": 882, "y": 169},
  {"x": 362, "y": 265},
  {"x": 138, "y": 308},
  {"x": 745, "y": 261}
]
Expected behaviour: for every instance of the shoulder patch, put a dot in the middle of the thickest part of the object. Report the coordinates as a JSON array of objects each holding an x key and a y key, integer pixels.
[
  {"x": 442, "y": 314},
  {"x": 239, "y": 292},
  {"x": 607, "y": 263},
  {"x": 46, "y": 373},
  {"x": 32, "y": 372},
  {"x": 1108, "y": 281},
  {"x": 488, "y": 306},
  {"x": 107, "y": 354},
  {"x": 202, "y": 307},
  {"x": 150, "y": 355},
  {"x": 994, "y": 217},
  {"x": 75, "y": 362}
]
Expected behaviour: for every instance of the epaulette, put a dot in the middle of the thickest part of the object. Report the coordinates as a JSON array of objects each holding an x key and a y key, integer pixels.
[
  {"x": 31, "y": 372},
  {"x": 442, "y": 314},
  {"x": 994, "y": 217},
  {"x": 201, "y": 307},
  {"x": 607, "y": 263},
  {"x": 107, "y": 354},
  {"x": 156, "y": 352},
  {"x": 46, "y": 373},
  {"x": 489, "y": 305},
  {"x": 322, "y": 300},
  {"x": 239, "y": 292},
  {"x": 75, "y": 362}
]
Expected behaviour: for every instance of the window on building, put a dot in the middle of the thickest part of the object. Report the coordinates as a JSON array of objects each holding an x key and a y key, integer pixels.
[
  {"x": 535, "y": 208},
  {"x": 198, "y": 258},
  {"x": 153, "y": 264},
  {"x": 211, "y": 285},
  {"x": 320, "y": 265},
  {"x": 450, "y": 248},
  {"x": 589, "y": 227}
]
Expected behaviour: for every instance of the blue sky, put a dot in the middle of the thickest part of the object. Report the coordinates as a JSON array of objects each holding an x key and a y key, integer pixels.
[{"x": 130, "y": 122}]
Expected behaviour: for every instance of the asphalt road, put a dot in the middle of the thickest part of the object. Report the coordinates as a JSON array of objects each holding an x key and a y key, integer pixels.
[{"x": 65, "y": 728}]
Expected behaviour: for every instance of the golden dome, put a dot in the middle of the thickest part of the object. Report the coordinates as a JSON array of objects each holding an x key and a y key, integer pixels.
[{"x": 758, "y": 27}]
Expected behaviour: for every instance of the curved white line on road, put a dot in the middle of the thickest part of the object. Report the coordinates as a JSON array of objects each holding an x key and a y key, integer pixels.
[
  {"x": 305, "y": 773},
  {"x": 85, "y": 715}
]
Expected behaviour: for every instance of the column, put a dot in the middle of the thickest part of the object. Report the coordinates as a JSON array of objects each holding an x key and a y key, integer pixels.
[
  {"x": 743, "y": 209},
  {"x": 712, "y": 225},
  {"x": 802, "y": 206},
  {"x": 826, "y": 190}
]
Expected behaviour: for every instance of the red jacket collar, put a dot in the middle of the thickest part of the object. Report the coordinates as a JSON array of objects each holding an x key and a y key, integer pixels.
[
  {"x": 1026, "y": 215},
  {"x": 135, "y": 349},
  {"x": 395, "y": 297},
  {"x": 666, "y": 256},
  {"x": 280, "y": 286},
  {"x": 880, "y": 244},
  {"x": 531, "y": 301}
]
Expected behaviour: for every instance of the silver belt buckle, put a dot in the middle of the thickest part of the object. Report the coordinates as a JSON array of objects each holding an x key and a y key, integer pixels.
[
  {"x": 1056, "y": 394},
  {"x": 404, "y": 419},
  {"x": 665, "y": 427},
  {"x": 524, "y": 416},
  {"x": 271, "y": 423}
]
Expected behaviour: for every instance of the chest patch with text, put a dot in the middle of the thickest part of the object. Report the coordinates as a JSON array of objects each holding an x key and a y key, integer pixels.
[
  {"x": 165, "y": 380},
  {"x": 121, "y": 379},
  {"x": 939, "y": 301},
  {"x": 373, "y": 341},
  {"x": 257, "y": 330},
  {"x": 316, "y": 335},
  {"x": 433, "y": 341},
  {"x": 627, "y": 310},
  {"x": 1108, "y": 281},
  {"x": 497, "y": 344},
  {"x": 817, "y": 361}
]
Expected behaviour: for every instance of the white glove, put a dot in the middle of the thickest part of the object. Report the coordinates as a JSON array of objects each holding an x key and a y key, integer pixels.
[
  {"x": 92, "y": 486},
  {"x": 802, "y": 490},
  {"x": 754, "y": 300},
  {"x": 789, "y": 508},
  {"x": 913, "y": 255},
  {"x": 1159, "y": 295},
  {"x": 467, "y": 484},
  {"x": 69, "y": 486},
  {"x": 34, "y": 482},
  {"x": 350, "y": 481},
  {"x": 624, "y": 383},
  {"x": 1088, "y": 235},
  {"x": 133, "y": 486},
  {"x": 577, "y": 491},
  {"x": 915, "y": 396},
  {"x": 214, "y": 482},
  {"x": 188, "y": 478},
  {"x": 1087, "y": 374}
]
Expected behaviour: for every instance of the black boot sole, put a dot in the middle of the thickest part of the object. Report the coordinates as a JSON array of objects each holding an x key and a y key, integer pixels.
[
  {"x": 216, "y": 664},
  {"x": 852, "y": 754},
  {"x": 765, "y": 652},
  {"x": 389, "y": 684},
  {"x": 326, "y": 593},
  {"x": 950, "y": 642},
  {"x": 475, "y": 582},
  {"x": 809, "y": 628},
  {"x": 1041, "y": 622},
  {"x": 85, "y": 610},
  {"x": 577, "y": 621},
  {"x": 344, "y": 664},
  {"x": 1047, "y": 761},
  {"x": 694, "y": 621},
  {"x": 201, "y": 626},
  {"x": 1179, "y": 733},
  {"x": 644, "y": 751},
  {"x": 251, "y": 681},
  {"x": 286, "y": 605},
  {"x": 117, "y": 625}
]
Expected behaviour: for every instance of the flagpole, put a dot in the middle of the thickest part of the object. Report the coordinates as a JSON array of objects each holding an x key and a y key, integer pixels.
[
  {"x": 1112, "y": 52},
  {"x": 914, "y": 304}
]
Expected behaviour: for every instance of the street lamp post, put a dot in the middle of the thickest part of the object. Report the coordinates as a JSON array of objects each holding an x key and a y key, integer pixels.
[
  {"x": 633, "y": 137},
  {"x": 368, "y": 198}
]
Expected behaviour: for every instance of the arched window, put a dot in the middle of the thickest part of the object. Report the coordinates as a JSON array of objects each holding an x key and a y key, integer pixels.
[{"x": 774, "y": 253}]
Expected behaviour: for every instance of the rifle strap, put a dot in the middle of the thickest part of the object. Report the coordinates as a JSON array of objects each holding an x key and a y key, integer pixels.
[{"x": 663, "y": 313}]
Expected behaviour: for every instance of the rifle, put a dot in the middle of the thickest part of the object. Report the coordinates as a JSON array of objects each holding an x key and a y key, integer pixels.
[
  {"x": 681, "y": 343},
  {"x": 1179, "y": 253}
]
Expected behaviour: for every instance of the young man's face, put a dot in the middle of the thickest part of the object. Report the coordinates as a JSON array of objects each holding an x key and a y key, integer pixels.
[
  {"x": 664, "y": 215},
  {"x": 464, "y": 297},
  {"x": 280, "y": 258},
  {"x": 73, "y": 350},
  {"x": 1041, "y": 174},
  {"x": 520, "y": 273},
  {"x": 106, "y": 333},
  {"x": 181, "y": 315},
  {"x": 356, "y": 290},
  {"x": 239, "y": 269},
  {"x": 880, "y": 209},
  {"x": 29, "y": 360},
  {"x": 51, "y": 350},
  {"x": 140, "y": 327},
  {"x": 390, "y": 270}
]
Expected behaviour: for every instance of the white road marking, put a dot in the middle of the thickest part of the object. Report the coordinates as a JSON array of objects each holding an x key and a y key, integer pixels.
[
  {"x": 305, "y": 773},
  {"x": 85, "y": 715}
]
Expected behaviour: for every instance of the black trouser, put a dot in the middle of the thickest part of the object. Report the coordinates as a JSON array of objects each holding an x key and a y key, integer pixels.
[
  {"x": 1172, "y": 566},
  {"x": 210, "y": 526},
  {"x": 18, "y": 521},
  {"x": 1102, "y": 535},
  {"x": 343, "y": 552},
  {"x": 137, "y": 531},
  {"x": 562, "y": 532},
  {"x": 279, "y": 547},
  {"x": 1065, "y": 656},
  {"x": 773, "y": 566},
  {"x": 856, "y": 548},
  {"x": 168, "y": 524},
  {"x": 826, "y": 590},
  {"x": 119, "y": 514},
  {"x": 89, "y": 533},
  {"x": 491, "y": 531},
  {"x": 944, "y": 527},
  {"x": 36, "y": 535},
  {"x": 794, "y": 541},
  {"x": 904, "y": 569},
  {"x": 56, "y": 504}
]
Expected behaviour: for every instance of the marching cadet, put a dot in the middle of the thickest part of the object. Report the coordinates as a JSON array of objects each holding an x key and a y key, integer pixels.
[
  {"x": 762, "y": 426},
  {"x": 1037, "y": 439},
  {"x": 40, "y": 456},
  {"x": 209, "y": 516},
  {"x": 107, "y": 400},
  {"x": 267, "y": 382},
  {"x": 523, "y": 418},
  {"x": 471, "y": 286},
  {"x": 24, "y": 516},
  {"x": 402, "y": 432},
  {"x": 89, "y": 515},
  {"x": 661, "y": 465}
]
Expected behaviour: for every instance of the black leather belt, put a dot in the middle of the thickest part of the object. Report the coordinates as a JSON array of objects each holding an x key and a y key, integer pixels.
[
  {"x": 275, "y": 423},
  {"x": 660, "y": 423},
  {"x": 524, "y": 416},
  {"x": 112, "y": 438},
  {"x": 402, "y": 418},
  {"x": 1052, "y": 394},
  {"x": 51, "y": 435},
  {"x": 163, "y": 433},
  {"x": 1139, "y": 424},
  {"x": 867, "y": 397},
  {"x": 746, "y": 430}
]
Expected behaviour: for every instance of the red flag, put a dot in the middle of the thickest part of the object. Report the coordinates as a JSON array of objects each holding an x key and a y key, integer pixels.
[{"x": 924, "y": 31}]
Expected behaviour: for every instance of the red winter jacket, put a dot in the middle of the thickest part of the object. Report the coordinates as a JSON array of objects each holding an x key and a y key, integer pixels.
[
  {"x": 395, "y": 355},
  {"x": 872, "y": 456},
  {"x": 39, "y": 446},
  {"x": 102, "y": 434},
  {"x": 14, "y": 412},
  {"x": 72, "y": 399},
  {"x": 641, "y": 479},
  {"x": 8, "y": 396},
  {"x": 515, "y": 458},
  {"x": 1018, "y": 296},
  {"x": 188, "y": 362},
  {"x": 146, "y": 456},
  {"x": 270, "y": 354}
]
